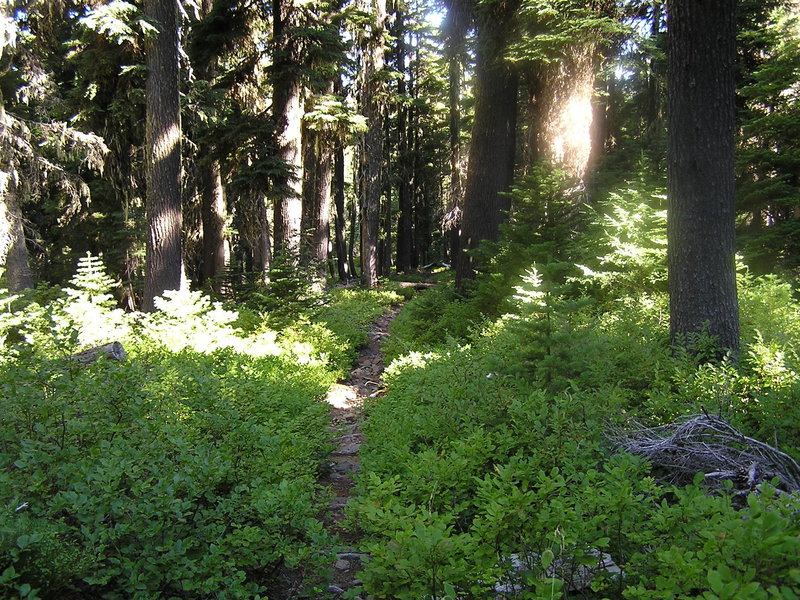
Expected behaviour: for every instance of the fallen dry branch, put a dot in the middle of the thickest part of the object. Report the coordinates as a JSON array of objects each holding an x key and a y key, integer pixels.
[{"x": 709, "y": 444}]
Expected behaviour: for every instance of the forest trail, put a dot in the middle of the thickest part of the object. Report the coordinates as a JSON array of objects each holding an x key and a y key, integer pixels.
[{"x": 346, "y": 400}]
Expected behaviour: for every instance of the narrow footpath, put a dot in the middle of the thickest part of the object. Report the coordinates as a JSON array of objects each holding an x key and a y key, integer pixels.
[{"x": 346, "y": 400}]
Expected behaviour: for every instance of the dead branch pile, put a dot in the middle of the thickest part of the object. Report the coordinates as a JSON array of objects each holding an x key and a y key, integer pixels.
[{"x": 708, "y": 444}]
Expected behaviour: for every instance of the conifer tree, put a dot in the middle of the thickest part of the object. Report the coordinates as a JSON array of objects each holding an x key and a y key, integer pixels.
[
  {"x": 490, "y": 170},
  {"x": 700, "y": 217},
  {"x": 163, "y": 149},
  {"x": 287, "y": 114},
  {"x": 372, "y": 146}
]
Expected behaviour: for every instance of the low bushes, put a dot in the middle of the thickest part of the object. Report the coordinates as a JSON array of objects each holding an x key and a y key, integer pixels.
[
  {"x": 487, "y": 469},
  {"x": 187, "y": 471}
]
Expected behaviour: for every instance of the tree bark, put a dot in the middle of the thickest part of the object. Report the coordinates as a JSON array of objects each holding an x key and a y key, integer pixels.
[
  {"x": 163, "y": 154},
  {"x": 351, "y": 249},
  {"x": 318, "y": 172},
  {"x": 385, "y": 242},
  {"x": 700, "y": 157},
  {"x": 405, "y": 230},
  {"x": 13, "y": 250},
  {"x": 214, "y": 208},
  {"x": 338, "y": 196},
  {"x": 262, "y": 249},
  {"x": 455, "y": 52},
  {"x": 288, "y": 115},
  {"x": 490, "y": 171},
  {"x": 372, "y": 144},
  {"x": 215, "y": 256},
  {"x": 560, "y": 111}
]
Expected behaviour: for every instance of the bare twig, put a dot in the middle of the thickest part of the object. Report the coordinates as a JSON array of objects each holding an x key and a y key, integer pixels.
[{"x": 708, "y": 444}]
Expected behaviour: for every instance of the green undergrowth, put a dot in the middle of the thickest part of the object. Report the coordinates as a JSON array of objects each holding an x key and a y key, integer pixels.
[
  {"x": 492, "y": 449},
  {"x": 189, "y": 469},
  {"x": 349, "y": 315}
]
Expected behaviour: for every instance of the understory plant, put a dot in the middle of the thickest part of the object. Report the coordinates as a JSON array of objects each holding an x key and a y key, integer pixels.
[
  {"x": 187, "y": 470},
  {"x": 490, "y": 470}
]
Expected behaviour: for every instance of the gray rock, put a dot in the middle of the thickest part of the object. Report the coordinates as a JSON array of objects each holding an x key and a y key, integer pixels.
[
  {"x": 351, "y": 555},
  {"x": 347, "y": 449},
  {"x": 339, "y": 503},
  {"x": 346, "y": 467}
]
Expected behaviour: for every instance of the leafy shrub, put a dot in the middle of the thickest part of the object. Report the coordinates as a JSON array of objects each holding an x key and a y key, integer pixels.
[
  {"x": 188, "y": 470},
  {"x": 183, "y": 474},
  {"x": 486, "y": 467},
  {"x": 429, "y": 320},
  {"x": 625, "y": 252}
]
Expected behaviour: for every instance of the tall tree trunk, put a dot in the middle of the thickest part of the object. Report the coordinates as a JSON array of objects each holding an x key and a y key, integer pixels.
[
  {"x": 655, "y": 75},
  {"x": 490, "y": 171},
  {"x": 318, "y": 170},
  {"x": 700, "y": 150},
  {"x": 288, "y": 115},
  {"x": 560, "y": 111},
  {"x": 309, "y": 185},
  {"x": 405, "y": 231},
  {"x": 215, "y": 256},
  {"x": 13, "y": 250},
  {"x": 386, "y": 231},
  {"x": 338, "y": 196},
  {"x": 163, "y": 154},
  {"x": 354, "y": 220},
  {"x": 214, "y": 208},
  {"x": 458, "y": 19},
  {"x": 414, "y": 149},
  {"x": 372, "y": 107},
  {"x": 262, "y": 248}
]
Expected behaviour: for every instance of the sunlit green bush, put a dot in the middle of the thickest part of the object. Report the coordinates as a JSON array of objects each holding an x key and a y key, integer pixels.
[
  {"x": 186, "y": 471},
  {"x": 489, "y": 449}
]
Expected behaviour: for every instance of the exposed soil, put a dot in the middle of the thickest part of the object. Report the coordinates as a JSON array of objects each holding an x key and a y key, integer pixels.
[{"x": 346, "y": 400}]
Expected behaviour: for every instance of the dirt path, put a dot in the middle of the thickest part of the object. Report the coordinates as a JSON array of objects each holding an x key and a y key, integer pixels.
[{"x": 346, "y": 400}]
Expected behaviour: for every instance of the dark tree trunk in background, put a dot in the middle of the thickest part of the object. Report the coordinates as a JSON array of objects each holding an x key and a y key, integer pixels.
[
  {"x": 262, "y": 248},
  {"x": 655, "y": 76},
  {"x": 458, "y": 20},
  {"x": 318, "y": 171},
  {"x": 701, "y": 119},
  {"x": 351, "y": 248},
  {"x": 13, "y": 250},
  {"x": 214, "y": 208},
  {"x": 309, "y": 184},
  {"x": 338, "y": 197},
  {"x": 490, "y": 171},
  {"x": 385, "y": 242},
  {"x": 405, "y": 231},
  {"x": 163, "y": 154},
  {"x": 372, "y": 144},
  {"x": 214, "y": 214},
  {"x": 288, "y": 115}
]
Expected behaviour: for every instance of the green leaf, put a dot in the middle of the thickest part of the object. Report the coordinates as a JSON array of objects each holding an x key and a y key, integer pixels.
[
  {"x": 547, "y": 559},
  {"x": 715, "y": 581}
]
